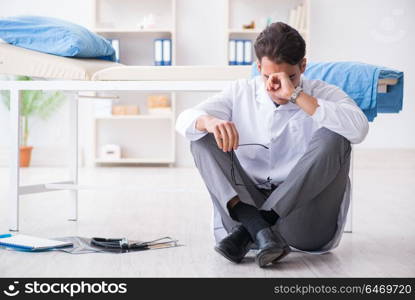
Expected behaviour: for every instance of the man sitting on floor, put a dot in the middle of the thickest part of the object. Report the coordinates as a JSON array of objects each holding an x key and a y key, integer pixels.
[{"x": 274, "y": 153}]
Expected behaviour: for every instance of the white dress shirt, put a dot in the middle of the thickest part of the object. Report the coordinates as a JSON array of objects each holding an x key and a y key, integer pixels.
[{"x": 286, "y": 130}]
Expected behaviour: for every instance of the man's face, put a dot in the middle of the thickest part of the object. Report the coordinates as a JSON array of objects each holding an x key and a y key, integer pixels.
[{"x": 267, "y": 67}]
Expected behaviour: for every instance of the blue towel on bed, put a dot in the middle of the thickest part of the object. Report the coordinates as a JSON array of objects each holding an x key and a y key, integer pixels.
[{"x": 360, "y": 82}]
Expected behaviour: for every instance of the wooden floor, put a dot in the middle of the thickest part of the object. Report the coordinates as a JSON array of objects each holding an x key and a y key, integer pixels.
[{"x": 176, "y": 203}]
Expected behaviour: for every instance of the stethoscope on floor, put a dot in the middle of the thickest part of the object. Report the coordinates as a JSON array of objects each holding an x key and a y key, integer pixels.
[{"x": 124, "y": 245}]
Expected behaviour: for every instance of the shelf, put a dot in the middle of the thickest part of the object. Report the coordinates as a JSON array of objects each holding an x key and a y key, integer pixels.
[
  {"x": 146, "y": 138},
  {"x": 257, "y": 31},
  {"x": 135, "y": 117},
  {"x": 135, "y": 160},
  {"x": 132, "y": 30},
  {"x": 245, "y": 69}
]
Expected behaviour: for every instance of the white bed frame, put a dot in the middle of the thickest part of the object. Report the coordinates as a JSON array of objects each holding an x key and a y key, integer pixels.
[{"x": 73, "y": 185}]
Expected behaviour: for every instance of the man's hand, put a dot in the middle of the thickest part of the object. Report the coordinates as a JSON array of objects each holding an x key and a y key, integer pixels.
[
  {"x": 225, "y": 132},
  {"x": 280, "y": 85}
]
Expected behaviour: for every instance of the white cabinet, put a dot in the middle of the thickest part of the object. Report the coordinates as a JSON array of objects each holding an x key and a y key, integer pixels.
[
  {"x": 136, "y": 24},
  {"x": 143, "y": 138}
]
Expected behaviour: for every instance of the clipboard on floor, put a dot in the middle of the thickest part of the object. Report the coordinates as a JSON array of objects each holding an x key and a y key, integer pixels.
[{"x": 21, "y": 242}]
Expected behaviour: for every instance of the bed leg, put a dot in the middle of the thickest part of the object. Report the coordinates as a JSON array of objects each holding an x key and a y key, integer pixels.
[
  {"x": 73, "y": 159},
  {"x": 14, "y": 186}
]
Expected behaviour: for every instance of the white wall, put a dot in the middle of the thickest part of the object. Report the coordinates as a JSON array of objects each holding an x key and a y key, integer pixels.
[{"x": 371, "y": 31}]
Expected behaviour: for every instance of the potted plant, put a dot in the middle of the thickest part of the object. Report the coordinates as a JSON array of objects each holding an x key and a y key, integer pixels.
[{"x": 33, "y": 103}]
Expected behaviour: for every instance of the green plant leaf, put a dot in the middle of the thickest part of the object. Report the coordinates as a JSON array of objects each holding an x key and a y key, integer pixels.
[{"x": 30, "y": 102}]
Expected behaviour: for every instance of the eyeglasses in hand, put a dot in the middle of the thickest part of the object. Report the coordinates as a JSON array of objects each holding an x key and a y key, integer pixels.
[{"x": 233, "y": 167}]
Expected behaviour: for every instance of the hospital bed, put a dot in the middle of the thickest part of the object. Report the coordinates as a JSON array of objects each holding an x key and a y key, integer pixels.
[{"x": 70, "y": 74}]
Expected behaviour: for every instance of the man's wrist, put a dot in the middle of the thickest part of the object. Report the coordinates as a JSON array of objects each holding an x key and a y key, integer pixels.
[
  {"x": 295, "y": 94},
  {"x": 201, "y": 122},
  {"x": 307, "y": 103}
]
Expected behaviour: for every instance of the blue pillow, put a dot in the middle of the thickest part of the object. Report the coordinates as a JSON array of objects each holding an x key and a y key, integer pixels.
[{"x": 54, "y": 36}]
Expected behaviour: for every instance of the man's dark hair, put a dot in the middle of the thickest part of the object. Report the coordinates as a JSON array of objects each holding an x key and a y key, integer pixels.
[{"x": 281, "y": 44}]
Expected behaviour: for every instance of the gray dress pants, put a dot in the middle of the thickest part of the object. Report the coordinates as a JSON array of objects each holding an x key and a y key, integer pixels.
[{"x": 308, "y": 201}]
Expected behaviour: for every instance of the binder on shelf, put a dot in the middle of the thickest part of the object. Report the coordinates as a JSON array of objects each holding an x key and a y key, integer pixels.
[
  {"x": 158, "y": 52},
  {"x": 116, "y": 45},
  {"x": 300, "y": 16},
  {"x": 232, "y": 52},
  {"x": 167, "y": 52},
  {"x": 247, "y": 52},
  {"x": 162, "y": 52},
  {"x": 302, "y": 21},
  {"x": 293, "y": 17},
  {"x": 239, "y": 52}
]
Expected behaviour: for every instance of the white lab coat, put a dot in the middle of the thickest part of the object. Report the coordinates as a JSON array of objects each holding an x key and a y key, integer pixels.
[{"x": 286, "y": 129}]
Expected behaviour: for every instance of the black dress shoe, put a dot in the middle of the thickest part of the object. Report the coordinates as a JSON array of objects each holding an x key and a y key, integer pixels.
[
  {"x": 236, "y": 245},
  {"x": 272, "y": 247}
]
